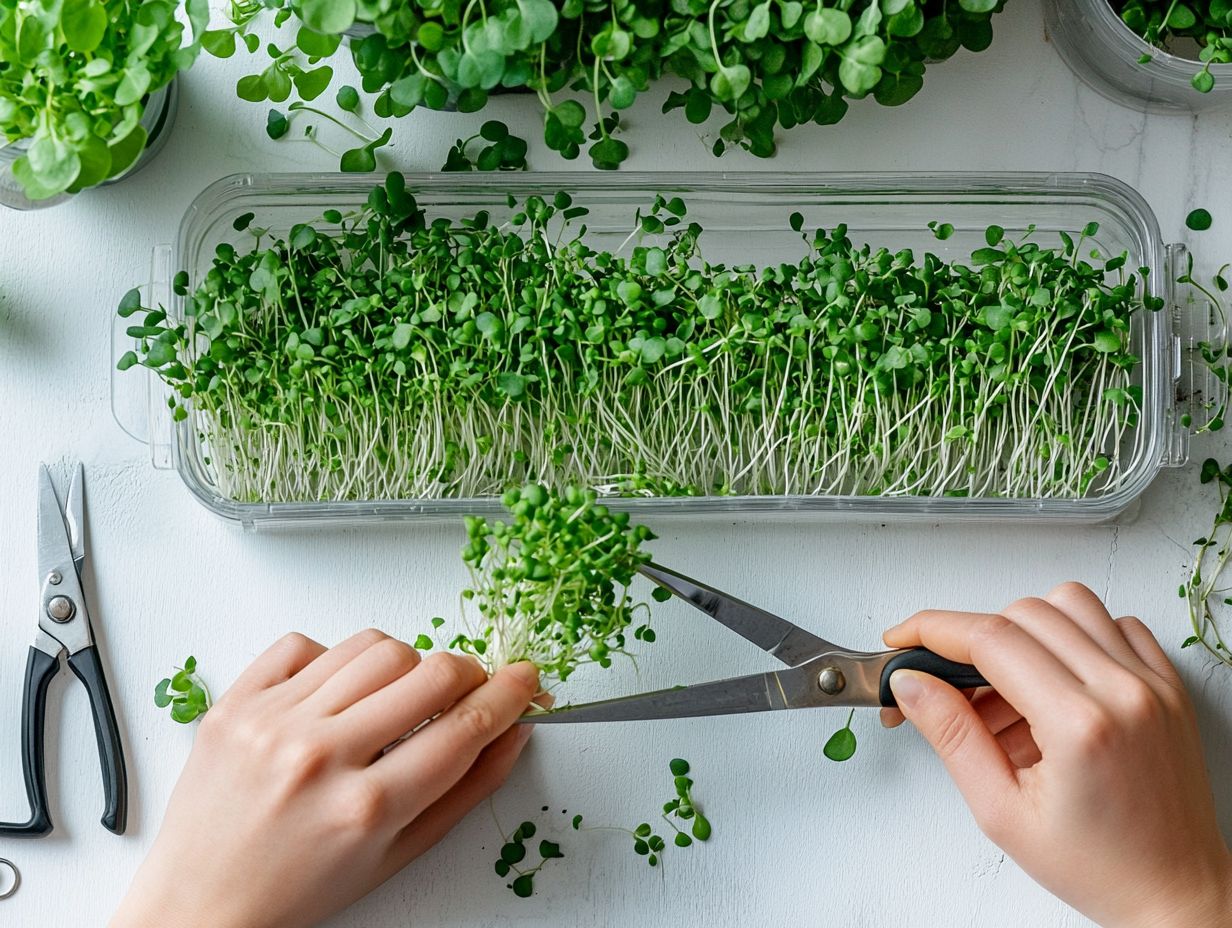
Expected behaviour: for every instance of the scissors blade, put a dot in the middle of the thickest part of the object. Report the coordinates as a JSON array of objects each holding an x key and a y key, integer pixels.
[
  {"x": 74, "y": 517},
  {"x": 759, "y": 692},
  {"x": 54, "y": 547},
  {"x": 788, "y": 642}
]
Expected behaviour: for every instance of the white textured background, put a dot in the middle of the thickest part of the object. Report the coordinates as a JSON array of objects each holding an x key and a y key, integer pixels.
[{"x": 880, "y": 841}]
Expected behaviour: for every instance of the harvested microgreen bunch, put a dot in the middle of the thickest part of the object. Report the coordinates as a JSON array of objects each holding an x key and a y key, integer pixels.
[
  {"x": 842, "y": 744},
  {"x": 513, "y": 859},
  {"x": 74, "y": 77},
  {"x": 1202, "y": 590},
  {"x": 1162, "y": 22},
  {"x": 184, "y": 692},
  {"x": 1214, "y": 353},
  {"x": 386, "y": 354},
  {"x": 551, "y": 585},
  {"x": 766, "y": 64}
]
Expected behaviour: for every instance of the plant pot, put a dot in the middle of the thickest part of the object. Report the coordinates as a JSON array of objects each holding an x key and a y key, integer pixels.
[
  {"x": 1105, "y": 54},
  {"x": 159, "y": 116}
]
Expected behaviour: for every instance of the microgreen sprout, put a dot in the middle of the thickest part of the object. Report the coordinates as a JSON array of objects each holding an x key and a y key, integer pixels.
[
  {"x": 1162, "y": 22},
  {"x": 184, "y": 692},
  {"x": 386, "y": 354},
  {"x": 1199, "y": 220},
  {"x": 504, "y": 151},
  {"x": 1202, "y": 591},
  {"x": 551, "y": 585},
  {"x": 842, "y": 744},
  {"x": 512, "y": 859}
]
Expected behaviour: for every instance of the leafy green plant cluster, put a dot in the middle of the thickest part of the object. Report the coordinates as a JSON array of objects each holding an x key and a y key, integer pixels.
[
  {"x": 1202, "y": 590},
  {"x": 551, "y": 585},
  {"x": 185, "y": 693},
  {"x": 1162, "y": 22},
  {"x": 384, "y": 354},
  {"x": 74, "y": 78},
  {"x": 765, "y": 63}
]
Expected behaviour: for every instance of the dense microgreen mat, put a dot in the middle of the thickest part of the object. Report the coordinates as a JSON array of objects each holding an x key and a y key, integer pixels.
[
  {"x": 390, "y": 354},
  {"x": 74, "y": 77},
  {"x": 1163, "y": 22},
  {"x": 765, "y": 64}
]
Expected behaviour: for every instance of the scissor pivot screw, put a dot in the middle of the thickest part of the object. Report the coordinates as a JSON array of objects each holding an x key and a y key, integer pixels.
[
  {"x": 60, "y": 608},
  {"x": 831, "y": 681},
  {"x": 54, "y": 578}
]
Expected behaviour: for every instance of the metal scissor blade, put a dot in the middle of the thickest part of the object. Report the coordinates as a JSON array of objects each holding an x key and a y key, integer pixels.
[
  {"x": 75, "y": 517},
  {"x": 54, "y": 545},
  {"x": 788, "y": 642},
  {"x": 759, "y": 692}
]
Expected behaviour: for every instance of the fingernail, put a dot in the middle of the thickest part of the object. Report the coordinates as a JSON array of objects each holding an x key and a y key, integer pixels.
[{"x": 907, "y": 687}]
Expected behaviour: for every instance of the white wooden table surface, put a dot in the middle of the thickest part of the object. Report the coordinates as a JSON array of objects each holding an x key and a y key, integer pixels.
[{"x": 880, "y": 841}]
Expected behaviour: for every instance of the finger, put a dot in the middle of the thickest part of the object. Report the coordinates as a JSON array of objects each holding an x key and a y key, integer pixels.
[
  {"x": 371, "y": 724},
  {"x": 1088, "y": 611},
  {"x": 1018, "y": 666},
  {"x": 425, "y": 766},
  {"x": 481, "y": 781},
  {"x": 1019, "y": 745},
  {"x": 995, "y": 710},
  {"x": 1061, "y": 635},
  {"x": 379, "y": 665},
  {"x": 891, "y": 718},
  {"x": 280, "y": 661},
  {"x": 1147, "y": 648},
  {"x": 976, "y": 762},
  {"x": 329, "y": 663}
]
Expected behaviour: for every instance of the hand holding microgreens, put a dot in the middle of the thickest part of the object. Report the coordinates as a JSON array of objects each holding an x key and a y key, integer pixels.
[
  {"x": 185, "y": 692},
  {"x": 1207, "y": 22},
  {"x": 387, "y": 354},
  {"x": 74, "y": 77},
  {"x": 765, "y": 64}
]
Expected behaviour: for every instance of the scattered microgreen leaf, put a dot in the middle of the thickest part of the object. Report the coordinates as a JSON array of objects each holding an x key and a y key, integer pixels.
[{"x": 184, "y": 693}]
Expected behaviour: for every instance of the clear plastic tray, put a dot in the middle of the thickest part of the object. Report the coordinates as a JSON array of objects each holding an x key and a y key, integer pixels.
[
  {"x": 1105, "y": 53},
  {"x": 746, "y": 219}
]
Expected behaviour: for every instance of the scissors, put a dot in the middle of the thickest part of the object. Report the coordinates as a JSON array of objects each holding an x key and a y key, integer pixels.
[
  {"x": 819, "y": 672},
  {"x": 64, "y": 628}
]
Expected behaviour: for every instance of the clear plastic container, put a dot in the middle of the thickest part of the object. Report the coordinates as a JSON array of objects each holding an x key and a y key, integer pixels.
[
  {"x": 746, "y": 217},
  {"x": 157, "y": 119},
  {"x": 1105, "y": 53}
]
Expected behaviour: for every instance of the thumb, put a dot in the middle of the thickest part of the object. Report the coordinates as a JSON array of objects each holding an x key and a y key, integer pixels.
[{"x": 979, "y": 767}]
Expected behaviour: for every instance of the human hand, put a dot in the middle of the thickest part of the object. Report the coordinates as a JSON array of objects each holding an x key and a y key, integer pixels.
[
  {"x": 289, "y": 790},
  {"x": 1083, "y": 762}
]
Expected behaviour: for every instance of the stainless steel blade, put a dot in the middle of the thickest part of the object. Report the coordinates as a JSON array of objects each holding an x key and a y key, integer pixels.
[
  {"x": 74, "y": 517},
  {"x": 62, "y": 607},
  {"x": 788, "y": 642}
]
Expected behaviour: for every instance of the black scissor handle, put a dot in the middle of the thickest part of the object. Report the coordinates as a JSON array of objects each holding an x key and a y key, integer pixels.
[
  {"x": 962, "y": 676},
  {"x": 40, "y": 668},
  {"x": 89, "y": 670}
]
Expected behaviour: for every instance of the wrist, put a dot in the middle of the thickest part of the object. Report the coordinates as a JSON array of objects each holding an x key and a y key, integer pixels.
[{"x": 1201, "y": 900}]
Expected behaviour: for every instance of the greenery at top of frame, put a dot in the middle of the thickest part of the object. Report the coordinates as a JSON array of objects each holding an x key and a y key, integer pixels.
[
  {"x": 74, "y": 79},
  {"x": 1161, "y": 22},
  {"x": 767, "y": 64}
]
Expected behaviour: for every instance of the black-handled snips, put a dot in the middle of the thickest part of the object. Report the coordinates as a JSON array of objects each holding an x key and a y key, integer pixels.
[{"x": 64, "y": 629}]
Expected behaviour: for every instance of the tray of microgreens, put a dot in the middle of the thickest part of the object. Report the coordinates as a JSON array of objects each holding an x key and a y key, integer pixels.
[{"x": 417, "y": 347}]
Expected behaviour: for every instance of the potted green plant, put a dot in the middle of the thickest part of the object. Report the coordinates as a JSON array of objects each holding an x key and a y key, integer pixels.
[
  {"x": 1160, "y": 55},
  {"x": 86, "y": 90}
]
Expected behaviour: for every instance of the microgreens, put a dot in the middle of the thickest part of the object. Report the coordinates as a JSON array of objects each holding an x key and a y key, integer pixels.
[
  {"x": 1199, "y": 220},
  {"x": 383, "y": 354},
  {"x": 504, "y": 152},
  {"x": 1202, "y": 590},
  {"x": 513, "y": 859},
  {"x": 765, "y": 64},
  {"x": 842, "y": 744},
  {"x": 1162, "y": 22},
  {"x": 184, "y": 692},
  {"x": 74, "y": 78},
  {"x": 551, "y": 585}
]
